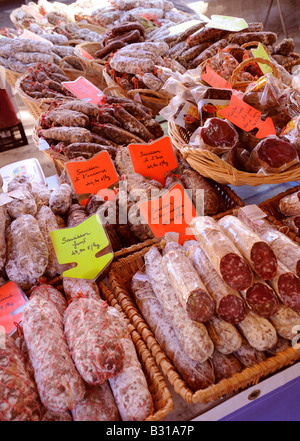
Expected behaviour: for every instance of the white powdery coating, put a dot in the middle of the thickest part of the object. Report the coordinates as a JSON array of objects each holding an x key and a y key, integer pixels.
[{"x": 259, "y": 332}]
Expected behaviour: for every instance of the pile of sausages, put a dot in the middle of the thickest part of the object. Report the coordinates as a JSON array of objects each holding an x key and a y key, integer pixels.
[
  {"x": 73, "y": 360},
  {"x": 223, "y": 302},
  {"x": 289, "y": 210}
]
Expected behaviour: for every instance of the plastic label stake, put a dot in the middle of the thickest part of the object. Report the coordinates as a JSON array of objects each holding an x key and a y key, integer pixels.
[{"x": 81, "y": 245}]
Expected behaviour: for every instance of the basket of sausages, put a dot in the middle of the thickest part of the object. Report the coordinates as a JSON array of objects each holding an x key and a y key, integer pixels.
[
  {"x": 214, "y": 312},
  {"x": 283, "y": 210}
]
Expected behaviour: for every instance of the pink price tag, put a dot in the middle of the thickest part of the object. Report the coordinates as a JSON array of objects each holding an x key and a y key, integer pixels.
[
  {"x": 28, "y": 35},
  {"x": 85, "y": 90}
]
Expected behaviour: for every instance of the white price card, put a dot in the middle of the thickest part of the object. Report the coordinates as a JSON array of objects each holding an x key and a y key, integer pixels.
[{"x": 232, "y": 24}]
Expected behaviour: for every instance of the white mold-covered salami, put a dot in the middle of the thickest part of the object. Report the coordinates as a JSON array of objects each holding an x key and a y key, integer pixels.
[
  {"x": 79, "y": 287},
  {"x": 59, "y": 384},
  {"x": 258, "y": 331},
  {"x": 224, "y": 256},
  {"x": 290, "y": 205},
  {"x": 286, "y": 321},
  {"x": 224, "y": 335},
  {"x": 25, "y": 205},
  {"x": 249, "y": 356},
  {"x": 225, "y": 366},
  {"x": 51, "y": 294},
  {"x": 192, "y": 335},
  {"x": 61, "y": 199},
  {"x": 47, "y": 222}
]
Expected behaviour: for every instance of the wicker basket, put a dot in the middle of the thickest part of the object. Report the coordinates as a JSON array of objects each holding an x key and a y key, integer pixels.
[
  {"x": 211, "y": 166},
  {"x": 270, "y": 207},
  {"x": 35, "y": 107},
  {"x": 92, "y": 71},
  {"x": 242, "y": 85},
  {"x": 94, "y": 28},
  {"x": 155, "y": 101},
  {"x": 120, "y": 277},
  {"x": 11, "y": 77}
]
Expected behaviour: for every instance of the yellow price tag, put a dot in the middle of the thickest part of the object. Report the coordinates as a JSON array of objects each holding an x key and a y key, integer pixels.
[
  {"x": 81, "y": 245},
  {"x": 261, "y": 53}
]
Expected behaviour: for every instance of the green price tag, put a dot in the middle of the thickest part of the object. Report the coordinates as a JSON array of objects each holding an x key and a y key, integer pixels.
[
  {"x": 261, "y": 53},
  {"x": 232, "y": 24},
  {"x": 81, "y": 245}
]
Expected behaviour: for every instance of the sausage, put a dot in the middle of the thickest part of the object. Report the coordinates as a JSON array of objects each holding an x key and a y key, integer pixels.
[
  {"x": 98, "y": 404},
  {"x": 287, "y": 287},
  {"x": 258, "y": 253},
  {"x": 19, "y": 396},
  {"x": 88, "y": 109},
  {"x": 272, "y": 155},
  {"x": 3, "y": 214},
  {"x": 208, "y": 53},
  {"x": 41, "y": 194},
  {"x": 285, "y": 47},
  {"x": 131, "y": 65},
  {"x": 150, "y": 123},
  {"x": 68, "y": 134},
  {"x": 188, "y": 285},
  {"x": 27, "y": 253},
  {"x": 59, "y": 384},
  {"x": 267, "y": 38},
  {"x": 150, "y": 81},
  {"x": 293, "y": 223},
  {"x": 229, "y": 304},
  {"x": 285, "y": 321},
  {"x": 122, "y": 100},
  {"x": 109, "y": 48},
  {"x": 196, "y": 375},
  {"x": 248, "y": 356},
  {"x": 192, "y": 335},
  {"x": 205, "y": 34},
  {"x": 79, "y": 287},
  {"x": 281, "y": 346},
  {"x": 25, "y": 205},
  {"x": 224, "y": 335},
  {"x": 224, "y": 256},
  {"x": 87, "y": 150},
  {"x": 184, "y": 35},
  {"x": 192, "y": 180},
  {"x": 116, "y": 134},
  {"x": 69, "y": 118},
  {"x": 192, "y": 52},
  {"x": 61, "y": 199},
  {"x": 92, "y": 340},
  {"x": 47, "y": 222},
  {"x": 129, "y": 386},
  {"x": 51, "y": 294},
  {"x": 131, "y": 124},
  {"x": 118, "y": 30},
  {"x": 225, "y": 366},
  {"x": 76, "y": 215},
  {"x": 258, "y": 331},
  {"x": 261, "y": 298},
  {"x": 290, "y": 205},
  {"x": 218, "y": 136}
]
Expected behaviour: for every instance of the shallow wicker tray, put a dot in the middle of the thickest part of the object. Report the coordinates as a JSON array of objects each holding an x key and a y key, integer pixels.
[
  {"x": 120, "y": 277},
  {"x": 211, "y": 166},
  {"x": 270, "y": 207}
]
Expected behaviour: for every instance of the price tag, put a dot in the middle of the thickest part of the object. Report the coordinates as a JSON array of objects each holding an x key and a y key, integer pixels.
[
  {"x": 28, "y": 35},
  {"x": 153, "y": 160},
  {"x": 173, "y": 212},
  {"x": 88, "y": 177},
  {"x": 261, "y": 53},
  {"x": 85, "y": 54},
  {"x": 43, "y": 145},
  {"x": 215, "y": 80},
  {"x": 232, "y": 24},
  {"x": 247, "y": 118},
  {"x": 85, "y": 90},
  {"x": 33, "y": 12},
  {"x": 12, "y": 302},
  {"x": 82, "y": 245}
]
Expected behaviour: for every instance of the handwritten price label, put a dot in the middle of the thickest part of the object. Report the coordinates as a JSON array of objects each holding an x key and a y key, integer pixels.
[
  {"x": 247, "y": 118},
  {"x": 82, "y": 245},
  {"x": 153, "y": 160},
  {"x": 232, "y": 24},
  {"x": 215, "y": 80},
  {"x": 85, "y": 90},
  {"x": 173, "y": 212},
  {"x": 88, "y": 177},
  {"x": 12, "y": 302}
]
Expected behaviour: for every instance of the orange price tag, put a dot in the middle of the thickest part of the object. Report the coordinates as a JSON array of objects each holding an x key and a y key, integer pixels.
[
  {"x": 153, "y": 160},
  {"x": 85, "y": 90},
  {"x": 247, "y": 118},
  {"x": 173, "y": 212},
  {"x": 88, "y": 177},
  {"x": 215, "y": 80},
  {"x": 12, "y": 302}
]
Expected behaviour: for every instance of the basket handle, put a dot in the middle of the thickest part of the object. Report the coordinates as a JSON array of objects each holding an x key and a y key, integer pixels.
[
  {"x": 238, "y": 70},
  {"x": 256, "y": 44},
  {"x": 70, "y": 57}
]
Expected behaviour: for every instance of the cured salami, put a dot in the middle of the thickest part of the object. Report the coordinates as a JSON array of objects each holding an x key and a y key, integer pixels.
[
  {"x": 287, "y": 287},
  {"x": 290, "y": 205},
  {"x": 224, "y": 256},
  {"x": 258, "y": 331},
  {"x": 293, "y": 223},
  {"x": 261, "y": 298},
  {"x": 218, "y": 136},
  {"x": 229, "y": 304},
  {"x": 188, "y": 285},
  {"x": 51, "y": 294},
  {"x": 285, "y": 321},
  {"x": 249, "y": 356},
  {"x": 258, "y": 254},
  {"x": 59, "y": 384},
  {"x": 225, "y": 366},
  {"x": 196, "y": 375},
  {"x": 192, "y": 335},
  {"x": 224, "y": 335}
]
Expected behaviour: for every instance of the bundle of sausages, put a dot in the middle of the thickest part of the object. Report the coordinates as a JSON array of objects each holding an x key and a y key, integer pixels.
[
  {"x": 79, "y": 129},
  {"x": 231, "y": 297},
  {"x": 46, "y": 372}
]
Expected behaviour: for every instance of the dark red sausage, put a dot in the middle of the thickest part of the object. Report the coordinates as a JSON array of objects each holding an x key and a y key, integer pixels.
[{"x": 262, "y": 299}]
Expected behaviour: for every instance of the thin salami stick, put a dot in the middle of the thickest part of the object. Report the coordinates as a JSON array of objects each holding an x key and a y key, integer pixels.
[
  {"x": 258, "y": 254},
  {"x": 285, "y": 322},
  {"x": 130, "y": 123},
  {"x": 229, "y": 304},
  {"x": 224, "y": 256},
  {"x": 192, "y": 335},
  {"x": 196, "y": 375},
  {"x": 261, "y": 298},
  {"x": 224, "y": 335},
  {"x": 116, "y": 134},
  {"x": 258, "y": 331},
  {"x": 188, "y": 285}
]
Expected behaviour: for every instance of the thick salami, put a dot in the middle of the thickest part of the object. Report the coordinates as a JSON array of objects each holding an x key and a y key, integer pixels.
[
  {"x": 217, "y": 136},
  {"x": 225, "y": 366},
  {"x": 19, "y": 396},
  {"x": 47, "y": 222},
  {"x": 196, "y": 375},
  {"x": 290, "y": 205},
  {"x": 281, "y": 345},
  {"x": 258, "y": 254},
  {"x": 285, "y": 321},
  {"x": 188, "y": 285},
  {"x": 224, "y": 256},
  {"x": 93, "y": 341},
  {"x": 229, "y": 304},
  {"x": 224, "y": 335},
  {"x": 192, "y": 335},
  {"x": 261, "y": 298},
  {"x": 258, "y": 331},
  {"x": 79, "y": 287},
  {"x": 249, "y": 356},
  {"x": 51, "y": 294},
  {"x": 59, "y": 384},
  {"x": 293, "y": 223}
]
